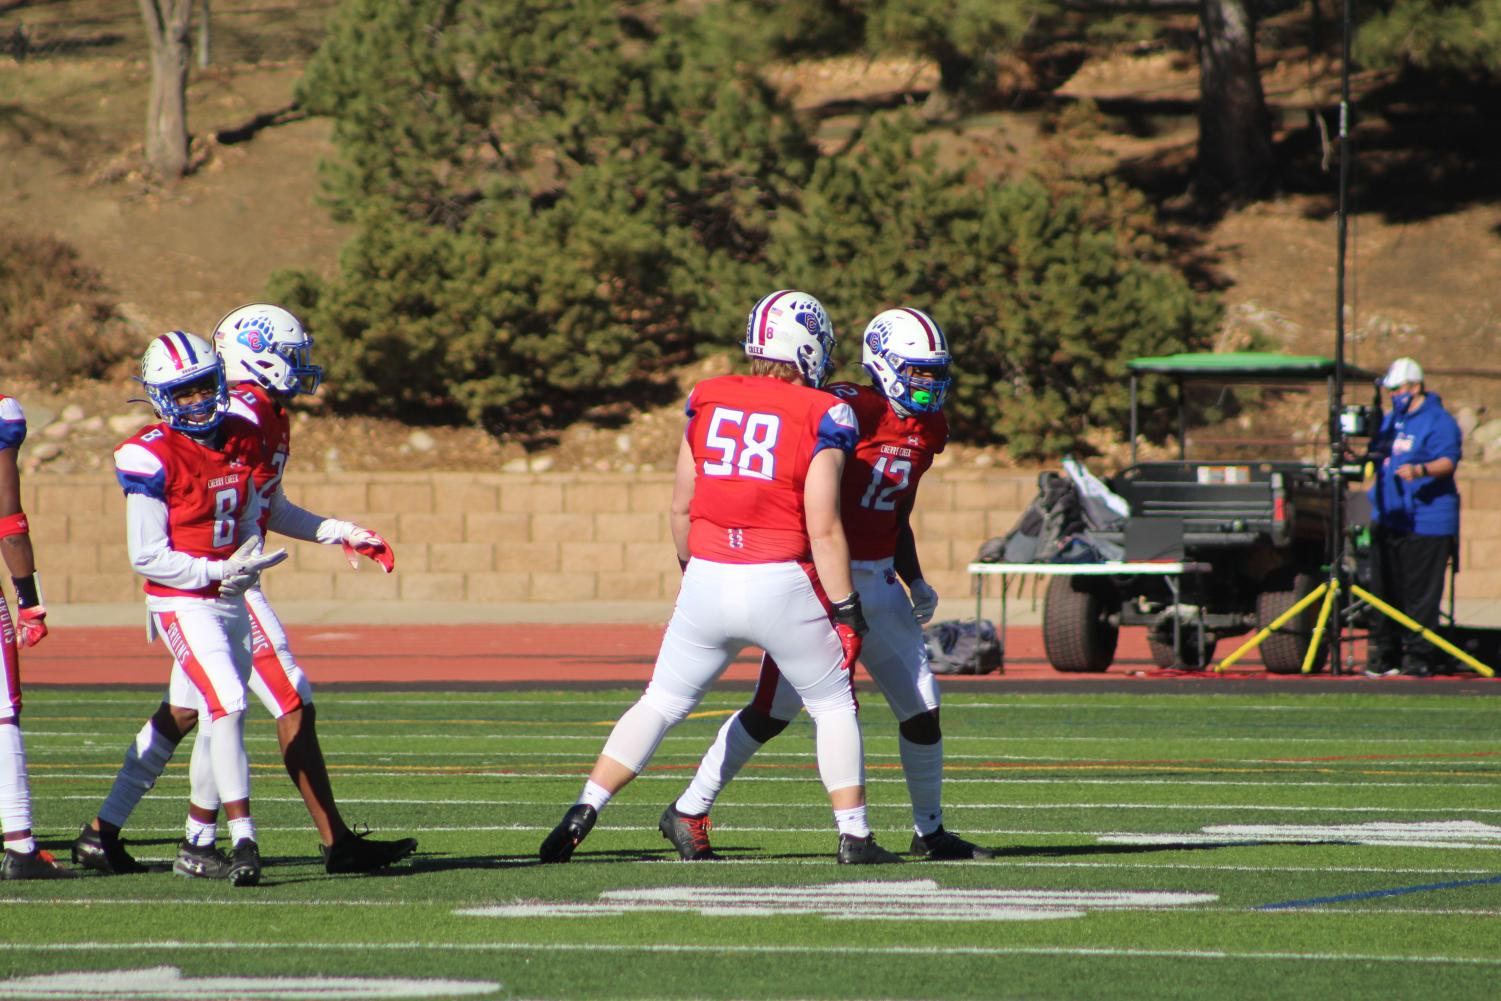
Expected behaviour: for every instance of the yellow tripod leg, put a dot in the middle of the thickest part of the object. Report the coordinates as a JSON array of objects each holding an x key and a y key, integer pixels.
[
  {"x": 1312, "y": 653},
  {"x": 1273, "y": 626},
  {"x": 1427, "y": 634}
]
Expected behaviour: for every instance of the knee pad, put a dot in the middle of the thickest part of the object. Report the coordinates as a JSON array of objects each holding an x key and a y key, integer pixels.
[
  {"x": 761, "y": 726},
  {"x": 922, "y": 728},
  {"x": 672, "y": 708}
]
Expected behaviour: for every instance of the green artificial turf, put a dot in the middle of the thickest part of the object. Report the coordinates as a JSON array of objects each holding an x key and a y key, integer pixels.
[{"x": 1150, "y": 846}]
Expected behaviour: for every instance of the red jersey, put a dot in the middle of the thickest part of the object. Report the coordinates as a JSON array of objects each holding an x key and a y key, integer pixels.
[
  {"x": 753, "y": 439},
  {"x": 205, "y": 490},
  {"x": 12, "y": 422},
  {"x": 880, "y": 479},
  {"x": 258, "y": 407}
]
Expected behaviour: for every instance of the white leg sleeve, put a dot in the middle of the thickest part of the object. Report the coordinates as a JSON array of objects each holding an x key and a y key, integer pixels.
[
  {"x": 731, "y": 749},
  {"x": 205, "y": 791},
  {"x": 635, "y": 738},
  {"x": 841, "y": 751},
  {"x": 923, "y": 766},
  {"x": 227, "y": 750},
  {"x": 15, "y": 787},
  {"x": 145, "y": 760}
]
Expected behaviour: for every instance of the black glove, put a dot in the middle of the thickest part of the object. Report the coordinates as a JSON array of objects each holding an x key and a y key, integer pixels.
[{"x": 847, "y": 612}]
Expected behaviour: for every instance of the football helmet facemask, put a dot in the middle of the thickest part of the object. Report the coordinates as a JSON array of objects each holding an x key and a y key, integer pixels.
[
  {"x": 177, "y": 365},
  {"x": 907, "y": 356},
  {"x": 266, "y": 344},
  {"x": 793, "y": 327}
]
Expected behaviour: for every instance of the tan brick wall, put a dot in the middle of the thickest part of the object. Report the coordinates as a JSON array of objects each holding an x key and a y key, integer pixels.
[{"x": 559, "y": 537}]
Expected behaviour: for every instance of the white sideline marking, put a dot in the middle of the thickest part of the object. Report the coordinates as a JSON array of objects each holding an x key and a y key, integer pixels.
[
  {"x": 909, "y": 900},
  {"x": 167, "y": 982},
  {"x": 948, "y": 807},
  {"x": 1469, "y": 834},
  {"x": 630, "y": 694},
  {"x": 722, "y": 949}
]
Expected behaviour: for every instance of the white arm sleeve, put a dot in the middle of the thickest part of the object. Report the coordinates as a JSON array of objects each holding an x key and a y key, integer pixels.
[
  {"x": 290, "y": 520},
  {"x": 151, "y": 552}
]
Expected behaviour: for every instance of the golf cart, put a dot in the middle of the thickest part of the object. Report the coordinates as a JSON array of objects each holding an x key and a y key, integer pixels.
[{"x": 1248, "y": 518}]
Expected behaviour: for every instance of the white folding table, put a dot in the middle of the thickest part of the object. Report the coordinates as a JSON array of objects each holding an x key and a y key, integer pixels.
[{"x": 1169, "y": 572}]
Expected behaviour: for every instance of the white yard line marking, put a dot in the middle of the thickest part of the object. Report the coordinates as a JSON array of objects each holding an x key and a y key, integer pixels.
[
  {"x": 908, "y": 900},
  {"x": 926, "y": 951},
  {"x": 948, "y": 807},
  {"x": 1464, "y": 834},
  {"x": 168, "y": 982}
]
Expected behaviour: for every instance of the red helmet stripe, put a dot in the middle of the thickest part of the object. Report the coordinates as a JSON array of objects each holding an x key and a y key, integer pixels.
[
  {"x": 172, "y": 351},
  {"x": 766, "y": 315},
  {"x": 926, "y": 326}
]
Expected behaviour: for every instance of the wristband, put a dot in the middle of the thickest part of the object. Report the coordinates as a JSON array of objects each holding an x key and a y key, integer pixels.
[
  {"x": 847, "y": 612},
  {"x": 28, "y": 590},
  {"x": 14, "y": 524},
  {"x": 1423, "y": 469}
]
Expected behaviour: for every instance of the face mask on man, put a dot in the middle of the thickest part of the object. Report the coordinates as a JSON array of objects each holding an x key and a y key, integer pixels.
[{"x": 1400, "y": 401}]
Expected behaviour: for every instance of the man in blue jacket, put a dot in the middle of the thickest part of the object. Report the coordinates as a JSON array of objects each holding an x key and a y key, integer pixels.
[{"x": 1414, "y": 520}]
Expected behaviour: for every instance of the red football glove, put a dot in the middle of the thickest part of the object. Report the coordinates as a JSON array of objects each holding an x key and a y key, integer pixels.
[
  {"x": 850, "y": 640},
  {"x": 363, "y": 542},
  {"x": 31, "y": 625}
]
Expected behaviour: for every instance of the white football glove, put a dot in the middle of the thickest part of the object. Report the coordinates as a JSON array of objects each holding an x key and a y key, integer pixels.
[
  {"x": 242, "y": 571},
  {"x": 924, "y": 601}
]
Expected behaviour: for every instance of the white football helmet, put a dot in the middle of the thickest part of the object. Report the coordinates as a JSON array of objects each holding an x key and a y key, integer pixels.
[
  {"x": 792, "y": 326},
  {"x": 907, "y": 355},
  {"x": 176, "y": 363},
  {"x": 265, "y": 344}
]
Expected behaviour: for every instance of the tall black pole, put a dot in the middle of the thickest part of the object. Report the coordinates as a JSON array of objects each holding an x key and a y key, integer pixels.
[{"x": 1337, "y": 543}]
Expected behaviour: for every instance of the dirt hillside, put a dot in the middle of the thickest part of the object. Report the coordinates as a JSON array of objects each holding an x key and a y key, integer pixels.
[{"x": 1424, "y": 286}]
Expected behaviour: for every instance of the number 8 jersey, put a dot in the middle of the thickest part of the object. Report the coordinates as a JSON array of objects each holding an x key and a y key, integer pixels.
[
  {"x": 880, "y": 479},
  {"x": 206, "y": 493},
  {"x": 753, "y": 438}
]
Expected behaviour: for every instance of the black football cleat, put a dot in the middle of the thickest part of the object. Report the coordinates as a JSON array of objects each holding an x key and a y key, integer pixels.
[
  {"x": 104, "y": 853},
  {"x": 688, "y": 834},
  {"x": 32, "y": 865},
  {"x": 360, "y": 853},
  {"x": 573, "y": 829},
  {"x": 864, "y": 851},
  {"x": 942, "y": 846},
  {"x": 245, "y": 864},
  {"x": 201, "y": 862}
]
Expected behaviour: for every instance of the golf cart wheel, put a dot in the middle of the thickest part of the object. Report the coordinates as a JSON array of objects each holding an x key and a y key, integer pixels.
[
  {"x": 1077, "y": 632},
  {"x": 1164, "y": 656},
  {"x": 1282, "y": 652}
]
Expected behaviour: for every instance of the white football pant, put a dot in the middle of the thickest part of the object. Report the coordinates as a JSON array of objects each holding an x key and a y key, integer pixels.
[{"x": 721, "y": 609}]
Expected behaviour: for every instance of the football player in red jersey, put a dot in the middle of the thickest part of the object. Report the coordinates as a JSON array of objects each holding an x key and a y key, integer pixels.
[
  {"x": 755, "y": 518},
  {"x": 901, "y": 428},
  {"x": 22, "y": 859},
  {"x": 192, "y": 530},
  {"x": 267, "y": 358}
]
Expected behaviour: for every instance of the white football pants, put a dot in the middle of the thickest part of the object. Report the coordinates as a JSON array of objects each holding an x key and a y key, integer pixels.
[{"x": 721, "y": 609}]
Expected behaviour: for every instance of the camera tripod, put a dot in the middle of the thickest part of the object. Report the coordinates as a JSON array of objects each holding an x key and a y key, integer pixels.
[{"x": 1329, "y": 591}]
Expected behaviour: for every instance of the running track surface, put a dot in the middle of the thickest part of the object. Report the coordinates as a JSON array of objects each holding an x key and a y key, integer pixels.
[{"x": 439, "y": 656}]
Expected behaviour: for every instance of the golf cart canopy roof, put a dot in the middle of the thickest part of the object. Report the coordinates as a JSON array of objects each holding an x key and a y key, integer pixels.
[{"x": 1246, "y": 366}]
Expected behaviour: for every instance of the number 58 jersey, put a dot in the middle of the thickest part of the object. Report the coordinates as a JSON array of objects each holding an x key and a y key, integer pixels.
[
  {"x": 752, "y": 439},
  {"x": 880, "y": 479}
]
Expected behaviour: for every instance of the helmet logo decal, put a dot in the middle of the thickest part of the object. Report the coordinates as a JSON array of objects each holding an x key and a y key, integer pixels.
[
  {"x": 256, "y": 333},
  {"x": 810, "y": 321}
]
